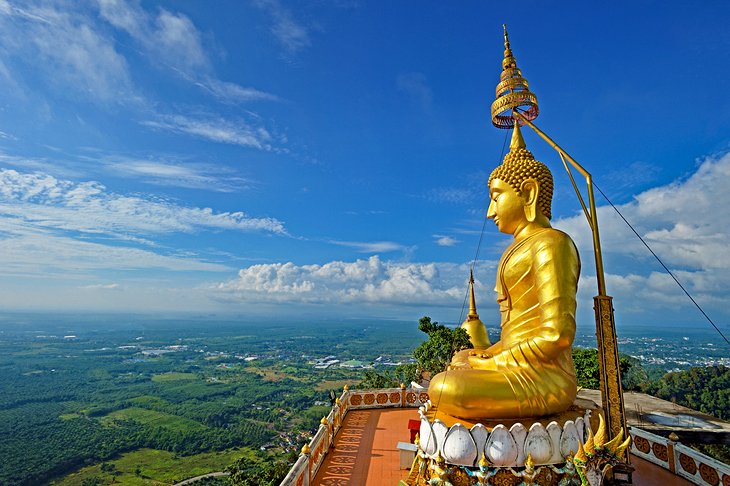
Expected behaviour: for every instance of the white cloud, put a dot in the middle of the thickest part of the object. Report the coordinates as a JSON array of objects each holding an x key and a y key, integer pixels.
[
  {"x": 31, "y": 252},
  {"x": 42, "y": 201},
  {"x": 233, "y": 92},
  {"x": 112, "y": 286},
  {"x": 171, "y": 39},
  {"x": 216, "y": 129},
  {"x": 192, "y": 176},
  {"x": 362, "y": 281},
  {"x": 67, "y": 49},
  {"x": 370, "y": 246},
  {"x": 683, "y": 224},
  {"x": 292, "y": 35},
  {"x": 442, "y": 240}
]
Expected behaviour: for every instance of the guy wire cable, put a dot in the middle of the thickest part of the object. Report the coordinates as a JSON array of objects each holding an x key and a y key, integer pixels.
[
  {"x": 662, "y": 264},
  {"x": 473, "y": 265}
]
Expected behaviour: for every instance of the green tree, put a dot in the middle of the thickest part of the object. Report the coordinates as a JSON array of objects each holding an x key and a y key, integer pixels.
[
  {"x": 633, "y": 375},
  {"x": 246, "y": 472},
  {"x": 434, "y": 354},
  {"x": 705, "y": 389},
  {"x": 374, "y": 379}
]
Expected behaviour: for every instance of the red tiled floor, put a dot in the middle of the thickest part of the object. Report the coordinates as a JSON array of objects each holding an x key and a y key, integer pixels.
[
  {"x": 649, "y": 474},
  {"x": 365, "y": 451}
]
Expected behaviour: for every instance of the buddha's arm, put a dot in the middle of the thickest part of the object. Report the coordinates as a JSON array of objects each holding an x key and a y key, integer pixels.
[{"x": 555, "y": 271}]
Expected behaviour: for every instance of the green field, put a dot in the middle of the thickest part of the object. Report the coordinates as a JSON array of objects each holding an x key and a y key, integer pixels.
[
  {"x": 152, "y": 417},
  {"x": 174, "y": 376},
  {"x": 100, "y": 405},
  {"x": 155, "y": 467}
]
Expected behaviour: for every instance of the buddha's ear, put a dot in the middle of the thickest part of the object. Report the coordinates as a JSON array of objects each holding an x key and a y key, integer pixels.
[{"x": 529, "y": 189}]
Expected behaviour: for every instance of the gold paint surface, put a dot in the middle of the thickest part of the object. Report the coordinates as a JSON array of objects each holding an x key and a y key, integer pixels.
[{"x": 529, "y": 371}]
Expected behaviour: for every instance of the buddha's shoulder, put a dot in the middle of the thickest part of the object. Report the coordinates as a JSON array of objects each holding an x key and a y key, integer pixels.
[{"x": 553, "y": 238}]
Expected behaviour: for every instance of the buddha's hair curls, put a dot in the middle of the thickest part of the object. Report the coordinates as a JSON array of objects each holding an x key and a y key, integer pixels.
[{"x": 519, "y": 165}]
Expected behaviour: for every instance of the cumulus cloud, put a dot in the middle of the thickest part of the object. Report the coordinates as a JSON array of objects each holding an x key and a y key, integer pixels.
[
  {"x": 680, "y": 221},
  {"x": 40, "y": 200},
  {"x": 362, "y": 281}
]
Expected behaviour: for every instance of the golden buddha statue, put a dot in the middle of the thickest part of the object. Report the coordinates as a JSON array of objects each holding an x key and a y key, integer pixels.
[{"x": 529, "y": 371}]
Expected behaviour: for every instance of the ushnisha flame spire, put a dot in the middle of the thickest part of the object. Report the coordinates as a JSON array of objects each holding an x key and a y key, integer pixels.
[{"x": 512, "y": 92}]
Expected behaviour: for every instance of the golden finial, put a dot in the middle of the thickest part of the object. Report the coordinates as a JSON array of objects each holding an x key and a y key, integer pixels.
[
  {"x": 417, "y": 439},
  {"x": 509, "y": 58},
  {"x": 483, "y": 462},
  {"x": 323, "y": 421},
  {"x": 529, "y": 463},
  {"x": 338, "y": 401},
  {"x": 512, "y": 92},
  {"x": 439, "y": 458},
  {"x": 305, "y": 449},
  {"x": 346, "y": 388},
  {"x": 402, "y": 386}
]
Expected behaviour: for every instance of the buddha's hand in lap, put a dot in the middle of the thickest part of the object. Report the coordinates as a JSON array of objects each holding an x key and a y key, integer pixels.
[{"x": 481, "y": 361}]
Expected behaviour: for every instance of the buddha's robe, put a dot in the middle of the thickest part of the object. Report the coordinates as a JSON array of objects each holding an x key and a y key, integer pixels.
[{"x": 529, "y": 372}]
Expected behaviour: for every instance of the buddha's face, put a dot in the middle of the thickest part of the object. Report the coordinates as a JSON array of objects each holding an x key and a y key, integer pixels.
[{"x": 506, "y": 207}]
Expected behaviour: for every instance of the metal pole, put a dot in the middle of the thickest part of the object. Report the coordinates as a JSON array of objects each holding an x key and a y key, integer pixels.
[{"x": 608, "y": 360}]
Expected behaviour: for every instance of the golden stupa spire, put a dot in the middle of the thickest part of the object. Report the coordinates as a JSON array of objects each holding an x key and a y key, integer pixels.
[
  {"x": 473, "y": 326},
  {"x": 512, "y": 91},
  {"x": 472, "y": 300}
]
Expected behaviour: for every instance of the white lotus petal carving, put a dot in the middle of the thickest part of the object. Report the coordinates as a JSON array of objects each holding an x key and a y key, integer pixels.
[
  {"x": 439, "y": 431},
  {"x": 580, "y": 425},
  {"x": 538, "y": 444},
  {"x": 459, "y": 447},
  {"x": 555, "y": 431},
  {"x": 427, "y": 439},
  {"x": 501, "y": 447},
  {"x": 569, "y": 440},
  {"x": 519, "y": 434},
  {"x": 480, "y": 434}
]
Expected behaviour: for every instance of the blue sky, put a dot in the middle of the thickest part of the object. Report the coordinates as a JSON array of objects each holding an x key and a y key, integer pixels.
[{"x": 330, "y": 158}]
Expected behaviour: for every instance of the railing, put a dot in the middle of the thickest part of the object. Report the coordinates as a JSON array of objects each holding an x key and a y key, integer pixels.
[
  {"x": 669, "y": 454},
  {"x": 678, "y": 458},
  {"x": 313, "y": 454}
]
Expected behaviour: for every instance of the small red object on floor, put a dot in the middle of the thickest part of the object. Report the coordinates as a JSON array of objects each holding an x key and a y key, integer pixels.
[{"x": 414, "y": 426}]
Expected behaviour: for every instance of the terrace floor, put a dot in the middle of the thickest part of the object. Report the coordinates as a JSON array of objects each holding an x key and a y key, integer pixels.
[{"x": 365, "y": 453}]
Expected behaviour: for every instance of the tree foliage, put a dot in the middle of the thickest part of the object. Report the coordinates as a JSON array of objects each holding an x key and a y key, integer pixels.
[
  {"x": 705, "y": 389},
  {"x": 246, "y": 472},
  {"x": 633, "y": 375},
  {"x": 434, "y": 354}
]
